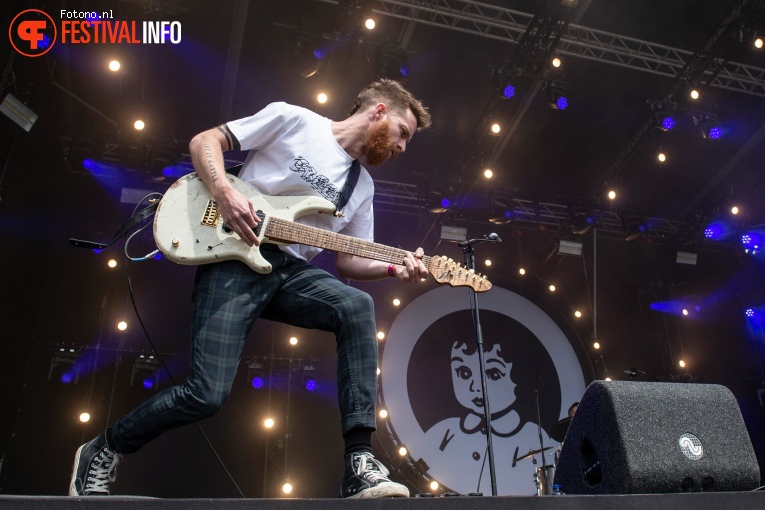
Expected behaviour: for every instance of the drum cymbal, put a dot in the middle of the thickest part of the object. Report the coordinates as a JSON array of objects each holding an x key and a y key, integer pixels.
[
  {"x": 558, "y": 432},
  {"x": 533, "y": 452}
]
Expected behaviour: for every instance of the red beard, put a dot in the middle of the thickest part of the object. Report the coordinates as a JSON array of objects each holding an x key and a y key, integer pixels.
[{"x": 379, "y": 146}]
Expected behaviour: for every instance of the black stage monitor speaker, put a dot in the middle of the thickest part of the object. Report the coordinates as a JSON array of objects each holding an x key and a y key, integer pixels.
[{"x": 641, "y": 437}]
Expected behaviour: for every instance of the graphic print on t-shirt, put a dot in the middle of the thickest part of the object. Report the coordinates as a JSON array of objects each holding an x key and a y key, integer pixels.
[{"x": 317, "y": 181}]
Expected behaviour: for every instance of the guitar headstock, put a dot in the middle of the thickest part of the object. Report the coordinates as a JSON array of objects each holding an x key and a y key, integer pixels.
[{"x": 446, "y": 270}]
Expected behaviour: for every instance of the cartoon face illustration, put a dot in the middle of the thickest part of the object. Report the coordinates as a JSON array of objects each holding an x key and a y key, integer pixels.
[{"x": 466, "y": 379}]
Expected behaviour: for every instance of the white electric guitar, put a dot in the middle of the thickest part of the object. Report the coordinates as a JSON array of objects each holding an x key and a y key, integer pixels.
[{"x": 188, "y": 230}]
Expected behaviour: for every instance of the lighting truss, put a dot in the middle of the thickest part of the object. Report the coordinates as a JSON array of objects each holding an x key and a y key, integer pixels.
[{"x": 503, "y": 24}]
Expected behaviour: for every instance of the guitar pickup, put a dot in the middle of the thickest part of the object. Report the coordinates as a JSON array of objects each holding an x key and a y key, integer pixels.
[{"x": 261, "y": 216}]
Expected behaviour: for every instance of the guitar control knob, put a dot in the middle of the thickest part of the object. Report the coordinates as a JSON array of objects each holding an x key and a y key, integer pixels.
[{"x": 176, "y": 243}]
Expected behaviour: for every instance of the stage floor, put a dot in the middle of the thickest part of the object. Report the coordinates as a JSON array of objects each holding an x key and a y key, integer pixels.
[{"x": 694, "y": 501}]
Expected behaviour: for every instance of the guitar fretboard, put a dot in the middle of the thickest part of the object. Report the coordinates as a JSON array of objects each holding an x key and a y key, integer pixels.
[{"x": 291, "y": 232}]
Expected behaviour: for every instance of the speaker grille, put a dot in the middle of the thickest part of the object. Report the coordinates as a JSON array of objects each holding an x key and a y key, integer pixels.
[{"x": 637, "y": 437}]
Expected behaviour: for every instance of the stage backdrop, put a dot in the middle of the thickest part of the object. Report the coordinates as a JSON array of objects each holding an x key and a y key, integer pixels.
[{"x": 430, "y": 385}]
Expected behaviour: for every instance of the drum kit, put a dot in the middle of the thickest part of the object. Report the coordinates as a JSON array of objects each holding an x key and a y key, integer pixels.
[{"x": 544, "y": 475}]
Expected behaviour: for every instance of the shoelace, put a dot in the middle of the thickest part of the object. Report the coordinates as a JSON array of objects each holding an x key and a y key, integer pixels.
[
  {"x": 371, "y": 468},
  {"x": 103, "y": 471}
]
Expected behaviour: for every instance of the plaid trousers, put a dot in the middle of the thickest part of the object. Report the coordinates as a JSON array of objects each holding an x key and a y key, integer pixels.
[{"x": 228, "y": 297}]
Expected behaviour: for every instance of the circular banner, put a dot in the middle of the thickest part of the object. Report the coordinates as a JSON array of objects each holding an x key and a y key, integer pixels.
[{"x": 431, "y": 386}]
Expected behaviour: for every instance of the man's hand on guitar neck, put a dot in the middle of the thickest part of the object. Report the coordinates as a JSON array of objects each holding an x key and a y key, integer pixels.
[{"x": 412, "y": 269}]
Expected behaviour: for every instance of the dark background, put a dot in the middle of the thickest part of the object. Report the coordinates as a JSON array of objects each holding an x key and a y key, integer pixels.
[{"x": 52, "y": 294}]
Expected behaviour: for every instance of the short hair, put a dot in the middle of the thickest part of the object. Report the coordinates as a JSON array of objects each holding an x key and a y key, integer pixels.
[
  {"x": 575, "y": 404},
  {"x": 395, "y": 96}
]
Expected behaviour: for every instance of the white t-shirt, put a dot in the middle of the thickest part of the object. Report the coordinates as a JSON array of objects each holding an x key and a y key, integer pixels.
[{"x": 293, "y": 152}]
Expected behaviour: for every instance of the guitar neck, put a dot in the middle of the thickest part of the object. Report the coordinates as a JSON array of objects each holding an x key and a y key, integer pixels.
[{"x": 281, "y": 230}]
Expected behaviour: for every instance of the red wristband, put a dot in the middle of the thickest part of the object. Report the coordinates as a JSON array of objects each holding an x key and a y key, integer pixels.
[{"x": 392, "y": 270}]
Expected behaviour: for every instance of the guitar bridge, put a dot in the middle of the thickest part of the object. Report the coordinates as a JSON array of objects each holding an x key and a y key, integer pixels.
[{"x": 211, "y": 214}]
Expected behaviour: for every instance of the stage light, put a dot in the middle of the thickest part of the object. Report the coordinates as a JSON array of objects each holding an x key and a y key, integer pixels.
[
  {"x": 402, "y": 451},
  {"x": 752, "y": 241},
  {"x": 734, "y": 210},
  {"x": 122, "y": 325},
  {"x": 612, "y": 195},
  {"x": 577, "y": 314},
  {"x": 503, "y": 84},
  {"x": 18, "y": 112},
  {"x": 487, "y": 262},
  {"x": 662, "y": 157},
  {"x": 582, "y": 219},
  {"x": 681, "y": 363},
  {"x": 749, "y": 312},
  {"x": 501, "y": 208},
  {"x": 717, "y": 230},
  {"x": 596, "y": 345},
  {"x": 383, "y": 413},
  {"x": 162, "y": 158},
  {"x": 114, "y": 65},
  {"x": 293, "y": 340},
  {"x": 255, "y": 374},
  {"x": 556, "y": 95},
  {"x": 508, "y": 91},
  {"x": 370, "y": 24},
  {"x": 685, "y": 312},
  {"x": 85, "y": 150},
  {"x": 322, "y": 98},
  {"x": 84, "y": 417},
  {"x": 488, "y": 173},
  {"x": 495, "y": 128},
  {"x": 381, "y": 335},
  {"x": 112, "y": 263},
  {"x": 521, "y": 271},
  {"x": 634, "y": 226},
  {"x": 392, "y": 62},
  {"x": 552, "y": 288},
  {"x": 145, "y": 372},
  {"x": 287, "y": 488},
  {"x": 758, "y": 43},
  {"x": 712, "y": 131},
  {"x": 695, "y": 94},
  {"x": 396, "y": 302},
  {"x": 308, "y": 377},
  {"x": 607, "y": 379},
  {"x": 64, "y": 366},
  {"x": 556, "y": 62},
  {"x": 306, "y": 55},
  {"x": 435, "y": 198},
  {"x": 434, "y": 485},
  {"x": 379, "y": 371},
  {"x": 139, "y": 125},
  {"x": 269, "y": 423}
]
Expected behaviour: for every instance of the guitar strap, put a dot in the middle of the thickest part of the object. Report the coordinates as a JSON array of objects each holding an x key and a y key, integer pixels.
[{"x": 350, "y": 184}]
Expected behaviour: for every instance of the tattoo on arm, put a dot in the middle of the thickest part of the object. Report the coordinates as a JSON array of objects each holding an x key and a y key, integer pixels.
[
  {"x": 229, "y": 142},
  {"x": 210, "y": 163}
]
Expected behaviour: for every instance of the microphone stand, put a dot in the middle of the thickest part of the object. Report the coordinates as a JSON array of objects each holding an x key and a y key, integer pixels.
[
  {"x": 547, "y": 489},
  {"x": 469, "y": 251}
]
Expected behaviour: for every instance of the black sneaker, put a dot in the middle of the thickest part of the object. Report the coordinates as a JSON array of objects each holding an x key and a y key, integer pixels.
[
  {"x": 95, "y": 465},
  {"x": 366, "y": 477}
]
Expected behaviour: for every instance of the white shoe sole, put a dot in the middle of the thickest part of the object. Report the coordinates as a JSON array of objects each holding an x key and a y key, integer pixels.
[
  {"x": 383, "y": 490},
  {"x": 72, "y": 489}
]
